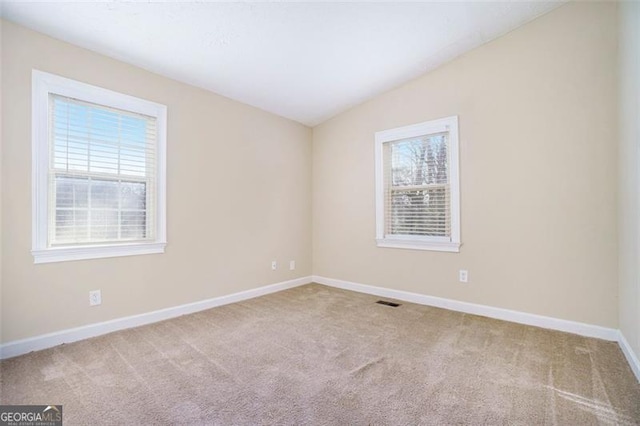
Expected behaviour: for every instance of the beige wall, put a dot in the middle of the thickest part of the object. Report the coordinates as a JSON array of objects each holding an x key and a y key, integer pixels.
[
  {"x": 629, "y": 229},
  {"x": 1, "y": 160},
  {"x": 538, "y": 115},
  {"x": 238, "y": 197}
]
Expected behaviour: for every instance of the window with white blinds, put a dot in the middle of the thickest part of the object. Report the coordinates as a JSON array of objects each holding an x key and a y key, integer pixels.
[
  {"x": 417, "y": 189},
  {"x": 102, "y": 174},
  {"x": 99, "y": 168}
]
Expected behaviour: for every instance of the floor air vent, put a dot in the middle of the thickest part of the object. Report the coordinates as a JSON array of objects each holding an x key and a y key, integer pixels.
[{"x": 384, "y": 302}]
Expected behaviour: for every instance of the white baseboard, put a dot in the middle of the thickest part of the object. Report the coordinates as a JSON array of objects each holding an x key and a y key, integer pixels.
[
  {"x": 631, "y": 356},
  {"x": 472, "y": 308},
  {"x": 19, "y": 347}
]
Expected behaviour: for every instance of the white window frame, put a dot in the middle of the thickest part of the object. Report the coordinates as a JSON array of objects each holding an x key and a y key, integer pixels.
[
  {"x": 452, "y": 244},
  {"x": 44, "y": 84}
]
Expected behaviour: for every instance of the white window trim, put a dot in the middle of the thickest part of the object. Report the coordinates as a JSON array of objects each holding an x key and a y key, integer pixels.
[
  {"x": 42, "y": 85},
  {"x": 452, "y": 244}
]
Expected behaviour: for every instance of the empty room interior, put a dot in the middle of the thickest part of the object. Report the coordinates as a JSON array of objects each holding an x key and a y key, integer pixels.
[{"x": 321, "y": 213}]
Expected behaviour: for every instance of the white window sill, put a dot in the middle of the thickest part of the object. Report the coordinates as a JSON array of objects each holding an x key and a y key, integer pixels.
[
  {"x": 62, "y": 254},
  {"x": 419, "y": 245}
]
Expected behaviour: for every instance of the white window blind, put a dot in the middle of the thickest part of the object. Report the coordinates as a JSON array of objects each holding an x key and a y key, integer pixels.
[
  {"x": 102, "y": 174},
  {"x": 417, "y": 186},
  {"x": 417, "y": 190}
]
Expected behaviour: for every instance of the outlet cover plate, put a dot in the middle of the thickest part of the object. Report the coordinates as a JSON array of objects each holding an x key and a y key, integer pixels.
[{"x": 95, "y": 298}]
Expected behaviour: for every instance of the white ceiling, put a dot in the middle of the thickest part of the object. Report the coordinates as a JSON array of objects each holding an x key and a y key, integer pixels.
[{"x": 304, "y": 61}]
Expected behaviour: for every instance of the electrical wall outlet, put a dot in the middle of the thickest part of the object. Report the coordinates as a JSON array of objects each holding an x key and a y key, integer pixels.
[
  {"x": 274, "y": 265},
  {"x": 292, "y": 265},
  {"x": 95, "y": 298},
  {"x": 463, "y": 276}
]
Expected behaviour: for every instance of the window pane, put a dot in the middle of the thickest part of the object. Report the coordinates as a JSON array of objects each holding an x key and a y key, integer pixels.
[
  {"x": 422, "y": 212},
  {"x": 133, "y": 195},
  {"x": 104, "y": 194},
  {"x": 104, "y": 224},
  {"x": 419, "y": 161},
  {"x": 96, "y": 210},
  {"x": 72, "y": 192},
  {"x": 71, "y": 225},
  {"x": 133, "y": 224},
  {"x": 65, "y": 224}
]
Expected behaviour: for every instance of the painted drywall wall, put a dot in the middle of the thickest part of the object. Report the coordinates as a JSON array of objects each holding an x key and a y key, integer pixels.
[
  {"x": 1, "y": 156},
  {"x": 238, "y": 196},
  {"x": 629, "y": 229},
  {"x": 538, "y": 158}
]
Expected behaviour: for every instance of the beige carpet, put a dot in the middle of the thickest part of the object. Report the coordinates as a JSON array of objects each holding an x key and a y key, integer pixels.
[{"x": 321, "y": 356}]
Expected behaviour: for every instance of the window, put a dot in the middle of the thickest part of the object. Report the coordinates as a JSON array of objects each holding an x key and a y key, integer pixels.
[
  {"x": 417, "y": 189},
  {"x": 98, "y": 172}
]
